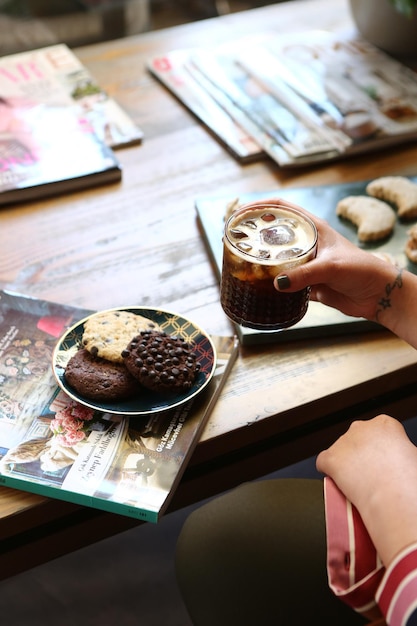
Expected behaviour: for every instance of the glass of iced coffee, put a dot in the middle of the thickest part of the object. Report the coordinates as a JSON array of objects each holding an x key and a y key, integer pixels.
[{"x": 261, "y": 241}]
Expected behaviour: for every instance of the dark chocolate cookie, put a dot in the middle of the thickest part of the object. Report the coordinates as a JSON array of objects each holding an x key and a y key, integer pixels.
[
  {"x": 98, "y": 379},
  {"x": 161, "y": 362}
]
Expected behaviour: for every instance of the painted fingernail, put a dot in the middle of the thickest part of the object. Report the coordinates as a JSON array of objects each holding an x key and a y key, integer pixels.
[{"x": 283, "y": 282}]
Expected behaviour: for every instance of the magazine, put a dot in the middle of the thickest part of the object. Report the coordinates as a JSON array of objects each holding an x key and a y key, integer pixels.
[
  {"x": 284, "y": 136},
  {"x": 208, "y": 103},
  {"x": 128, "y": 465},
  {"x": 321, "y": 200},
  {"x": 57, "y": 126},
  {"x": 46, "y": 149},
  {"x": 308, "y": 97},
  {"x": 55, "y": 76}
]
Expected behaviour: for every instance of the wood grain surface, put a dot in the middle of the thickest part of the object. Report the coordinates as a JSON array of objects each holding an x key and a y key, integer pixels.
[{"x": 138, "y": 243}]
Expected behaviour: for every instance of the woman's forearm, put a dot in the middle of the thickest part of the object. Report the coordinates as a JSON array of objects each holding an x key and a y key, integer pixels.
[{"x": 396, "y": 309}]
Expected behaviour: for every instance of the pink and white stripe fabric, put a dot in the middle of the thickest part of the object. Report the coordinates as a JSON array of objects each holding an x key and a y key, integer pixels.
[
  {"x": 356, "y": 574},
  {"x": 397, "y": 594}
]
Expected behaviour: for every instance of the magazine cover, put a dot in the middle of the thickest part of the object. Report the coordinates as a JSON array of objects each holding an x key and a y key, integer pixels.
[
  {"x": 46, "y": 149},
  {"x": 55, "y": 75},
  {"x": 56, "y": 447},
  {"x": 308, "y": 97}
]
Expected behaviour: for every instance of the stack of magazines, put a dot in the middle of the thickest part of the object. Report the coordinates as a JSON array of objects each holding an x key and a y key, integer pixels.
[
  {"x": 58, "y": 127},
  {"x": 300, "y": 99}
]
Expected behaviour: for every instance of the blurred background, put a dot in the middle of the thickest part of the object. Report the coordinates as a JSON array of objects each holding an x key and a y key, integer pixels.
[{"x": 28, "y": 24}]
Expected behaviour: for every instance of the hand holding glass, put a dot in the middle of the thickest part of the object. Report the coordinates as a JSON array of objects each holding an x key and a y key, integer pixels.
[{"x": 261, "y": 242}]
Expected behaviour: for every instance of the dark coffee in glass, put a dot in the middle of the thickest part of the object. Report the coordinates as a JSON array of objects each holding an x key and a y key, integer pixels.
[{"x": 260, "y": 242}]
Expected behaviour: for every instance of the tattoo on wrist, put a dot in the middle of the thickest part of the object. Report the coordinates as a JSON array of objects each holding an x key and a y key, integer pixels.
[{"x": 385, "y": 302}]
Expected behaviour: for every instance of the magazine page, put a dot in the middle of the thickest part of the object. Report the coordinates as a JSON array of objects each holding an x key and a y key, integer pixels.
[
  {"x": 55, "y": 76},
  {"x": 176, "y": 73},
  {"x": 347, "y": 84},
  {"x": 281, "y": 131},
  {"x": 290, "y": 87},
  {"x": 54, "y": 446}
]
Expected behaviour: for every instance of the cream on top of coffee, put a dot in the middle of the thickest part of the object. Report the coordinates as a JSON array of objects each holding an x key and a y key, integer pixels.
[{"x": 271, "y": 233}]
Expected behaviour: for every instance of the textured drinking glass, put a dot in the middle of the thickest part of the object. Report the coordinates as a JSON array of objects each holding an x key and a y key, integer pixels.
[{"x": 260, "y": 242}]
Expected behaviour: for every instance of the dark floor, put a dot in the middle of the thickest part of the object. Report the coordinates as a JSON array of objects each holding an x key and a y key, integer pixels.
[{"x": 127, "y": 580}]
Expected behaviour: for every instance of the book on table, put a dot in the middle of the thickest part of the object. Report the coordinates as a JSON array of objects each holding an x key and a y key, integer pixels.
[
  {"x": 58, "y": 127},
  {"x": 304, "y": 98},
  {"x": 125, "y": 464}
]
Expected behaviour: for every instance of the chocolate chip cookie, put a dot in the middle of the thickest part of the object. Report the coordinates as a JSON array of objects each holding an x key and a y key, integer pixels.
[{"x": 107, "y": 333}]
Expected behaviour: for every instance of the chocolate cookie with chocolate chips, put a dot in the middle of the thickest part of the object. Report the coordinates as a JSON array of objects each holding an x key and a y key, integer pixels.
[
  {"x": 162, "y": 362},
  {"x": 98, "y": 379}
]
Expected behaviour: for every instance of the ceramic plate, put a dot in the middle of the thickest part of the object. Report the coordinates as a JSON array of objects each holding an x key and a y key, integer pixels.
[{"x": 149, "y": 401}]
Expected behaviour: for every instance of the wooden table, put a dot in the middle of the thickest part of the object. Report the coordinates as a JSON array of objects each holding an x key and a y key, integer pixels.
[{"x": 139, "y": 243}]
